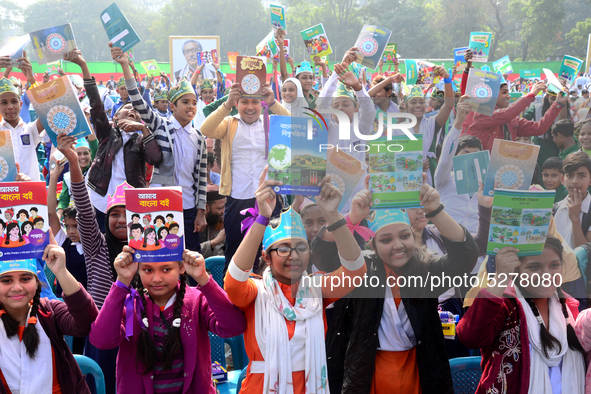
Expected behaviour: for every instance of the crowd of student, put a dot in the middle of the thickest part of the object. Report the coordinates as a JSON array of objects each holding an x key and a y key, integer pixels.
[{"x": 147, "y": 324}]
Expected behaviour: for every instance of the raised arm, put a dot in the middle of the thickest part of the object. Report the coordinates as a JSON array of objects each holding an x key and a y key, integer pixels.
[
  {"x": 54, "y": 221},
  {"x": 448, "y": 96}
]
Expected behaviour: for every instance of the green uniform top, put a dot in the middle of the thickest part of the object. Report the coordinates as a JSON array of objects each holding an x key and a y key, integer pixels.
[{"x": 565, "y": 152}]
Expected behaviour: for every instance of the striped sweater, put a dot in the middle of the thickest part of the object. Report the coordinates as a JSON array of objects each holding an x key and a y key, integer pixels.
[
  {"x": 163, "y": 131},
  {"x": 96, "y": 253}
]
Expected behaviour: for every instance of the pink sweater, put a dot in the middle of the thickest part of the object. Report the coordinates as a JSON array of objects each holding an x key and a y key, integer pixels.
[{"x": 583, "y": 330}]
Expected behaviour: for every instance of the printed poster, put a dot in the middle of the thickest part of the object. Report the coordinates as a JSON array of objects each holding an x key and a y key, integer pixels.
[
  {"x": 396, "y": 171},
  {"x": 24, "y": 227},
  {"x": 52, "y": 43},
  {"x": 278, "y": 17},
  {"x": 512, "y": 166},
  {"x": 371, "y": 42},
  {"x": 118, "y": 28},
  {"x": 57, "y": 105},
  {"x": 480, "y": 46},
  {"x": 14, "y": 47},
  {"x": 316, "y": 41},
  {"x": 155, "y": 222},
  {"x": 293, "y": 159},
  {"x": 152, "y": 68},
  {"x": 520, "y": 218},
  {"x": 483, "y": 88},
  {"x": 503, "y": 65},
  {"x": 569, "y": 69}
]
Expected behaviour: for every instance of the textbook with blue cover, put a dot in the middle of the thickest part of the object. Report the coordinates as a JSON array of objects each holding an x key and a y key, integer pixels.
[
  {"x": 469, "y": 170},
  {"x": 569, "y": 68},
  {"x": 480, "y": 46},
  {"x": 293, "y": 158},
  {"x": 53, "y": 43},
  {"x": 7, "y": 161},
  {"x": 278, "y": 17},
  {"x": 483, "y": 88},
  {"x": 371, "y": 44},
  {"x": 118, "y": 28},
  {"x": 459, "y": 61}
]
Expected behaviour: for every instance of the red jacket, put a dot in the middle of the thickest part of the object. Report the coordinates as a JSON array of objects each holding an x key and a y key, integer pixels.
[
  {"x": 487, "y": 128},
  {"x": 497, "y": 326}
]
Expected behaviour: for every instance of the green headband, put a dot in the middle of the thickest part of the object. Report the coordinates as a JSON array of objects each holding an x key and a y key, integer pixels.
[
  {"x": 6, "y": 86},
  {"x": 181, "y": 89}
]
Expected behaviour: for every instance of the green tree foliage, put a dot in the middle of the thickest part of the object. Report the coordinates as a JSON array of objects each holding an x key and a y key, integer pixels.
[{"x": 579, "y": 37}]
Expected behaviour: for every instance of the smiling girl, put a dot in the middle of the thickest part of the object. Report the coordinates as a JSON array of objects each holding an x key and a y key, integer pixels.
[{"x": 584, "y": 130}]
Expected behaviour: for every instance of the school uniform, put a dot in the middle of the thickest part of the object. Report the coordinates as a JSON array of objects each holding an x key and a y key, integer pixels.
[{"x": 25, "y": 138}]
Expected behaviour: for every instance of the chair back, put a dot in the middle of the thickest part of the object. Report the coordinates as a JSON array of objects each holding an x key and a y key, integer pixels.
[
  {"x": 89, "y": 366},
  {"x": 465, "y": 373}
]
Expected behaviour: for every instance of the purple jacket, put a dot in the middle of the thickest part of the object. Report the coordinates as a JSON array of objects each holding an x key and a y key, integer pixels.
[
  {"x": 205, "y": 309},
  {"x": 72, "y": 317}
]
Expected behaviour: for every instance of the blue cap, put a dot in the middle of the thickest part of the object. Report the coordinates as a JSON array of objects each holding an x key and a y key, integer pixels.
[
  {"x": 291, "y": 227},
  {"x": 305, "y": 66},
  {"x": 381, "y": 218},
  {"x": 82, "y": 143},
  {"x": 29, "y": 265}
]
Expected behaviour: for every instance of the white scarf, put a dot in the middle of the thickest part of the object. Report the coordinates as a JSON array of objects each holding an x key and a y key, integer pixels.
[
  {"x": 573, "y": 363},
  {"x": 296, "y": 108},
  {"x": 23, "y": 374},
  {"x": 271, "y": 310}
]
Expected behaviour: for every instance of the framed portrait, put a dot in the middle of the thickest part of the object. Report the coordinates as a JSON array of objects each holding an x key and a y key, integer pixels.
[{"x": 188, "y": 52}]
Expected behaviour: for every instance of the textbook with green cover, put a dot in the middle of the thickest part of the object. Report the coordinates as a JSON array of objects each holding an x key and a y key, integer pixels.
[
  {"x": 389, "y": 54},
  {"x": 278, "y": 17},
  {"x": 396, "y": 171},
  {"x": 520, "y": 218},
  {"x": 119, "y": 30},
  {"x": 53, "y": 43},
  {"x": 569, "y": 68},
  {"x": 267, "y": 47},
  {"x": 530, "y": 74},
  {"x": 503, "y": 65},
  {"x": 480, "y": 46},
  {"x": 152, "y": 68},
  {"x": 371, "y": 42},
  {"x": 316, "y": 41}
]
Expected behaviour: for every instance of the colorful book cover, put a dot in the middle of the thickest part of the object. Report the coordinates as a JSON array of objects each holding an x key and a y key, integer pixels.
[
  {"x": 57, "y": 105},
  {"x": 459, "y": 60},
  {"x": 293, "y": 158},
  {"x": 14, "y": 47},
  {"x": 152, "y": 68},
  {"x": 483, "y": 88},
  {"x": 480, "y": 46},
  {"x": 251, "y": 75},
  {"x": 7, "y": 162},
  {"x": 515, "y": 96},
  {"x": 285, "y": 49},
  {"x": 469, "y": 170},
  {"x": 520, "y": 218},
  {"x": 371, "y": 42},
  {"x": 345, "y": 173},
  {"x": 503, "y": 65},
  {"x": 569, "y": 69},
  {"x": 118, "y": 28},
  {"x": 389, "y": 54},
  {"x": 530, "y": 74},
  {"x": 278, "y": 17},
  {"x": 267, "y": 47},
  {"x": 218, "y": 373},
  {"x": 232, "y": 60},
  {"x": 155, "y": 222},
  {"x": 24, "y": 230},
  {"x": 396, "y": 171},
  {"x": 208, "y": 57},
  {"x": 316, "y": 41},
  {"x": 419, "y": 72},
  {"x": 52, "y": 43},
  {"x": 512, "y": 166}
]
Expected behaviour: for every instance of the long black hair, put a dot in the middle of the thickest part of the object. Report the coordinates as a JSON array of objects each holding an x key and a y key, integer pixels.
[
  {"x": 148, "y": 231},
  {"x": 9, "y": 228},
  {"x": 146, "y": 348}
]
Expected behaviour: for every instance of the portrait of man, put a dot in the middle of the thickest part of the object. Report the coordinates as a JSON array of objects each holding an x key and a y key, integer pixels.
[{"x": 184, "y": 55}]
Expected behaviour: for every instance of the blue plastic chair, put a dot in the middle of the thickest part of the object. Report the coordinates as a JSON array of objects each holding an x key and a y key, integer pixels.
[
  {"x": 234, "y": 383},
  {"x": 465, "y": 373},
  {"x": 240, "y": 379},
  {"x": 217, "y": 349},
  {"x": 215, "y": 265},
  {"x": 89, "y": 366}
]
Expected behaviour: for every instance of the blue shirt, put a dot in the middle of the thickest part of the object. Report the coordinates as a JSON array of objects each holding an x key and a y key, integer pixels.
[{"x": 215, "y": 177}]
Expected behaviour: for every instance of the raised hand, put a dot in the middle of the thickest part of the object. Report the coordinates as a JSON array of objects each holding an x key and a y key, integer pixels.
[
  {"x": 329, "y": 198},
  {"x": 347, "y": 77},
  {"x": 67, "y": 145},
  {"x": 54, "y": 256},
  {"x": 125, "y": 266},
  {"x": 361, "y": 203},
  {"x": 429, "y": 196},
  {"x": 75, "y": 57},
  {"x": 20, "y": 177},
  {"x": 119, "y": 56},
  {"x": 268, "y": 95},
  {"x": 194, "y": 264},
  {"x": 233, "y": 97},
  {"x": 265, "y": 195}
]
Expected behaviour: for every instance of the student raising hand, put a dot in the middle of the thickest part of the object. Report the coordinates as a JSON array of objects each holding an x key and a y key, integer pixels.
[
  {"x": 125, "y": 266},
  {"x": 20, "y": 177},
  {"x": 233, "y": 96},
  {"x": 194, "y": 264},
  {"x": 119, "y": 56},
  {"x": 347, "y": 77},
  {"x": 361, "y": 203},
  {"x": 55, "y": 259},
  {"x": 265, "y": 195},
  {"x": 462, "y": 110}
]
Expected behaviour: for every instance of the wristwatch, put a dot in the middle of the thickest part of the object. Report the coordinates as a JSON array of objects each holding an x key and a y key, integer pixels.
[{"x": 435, "y": 212}]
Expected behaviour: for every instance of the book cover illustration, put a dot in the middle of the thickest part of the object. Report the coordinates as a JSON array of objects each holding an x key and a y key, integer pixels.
[
  {"x": 480, "y": 46},
  {"x": 503, "y": 65},
  {"x": 52, "y": 43},
  {"x": 278, "y": 17},
  {"x": 371, "y": 42},
  {"x": 520, "y": 219},
  {"x": 118, "y": 28},
  {"x": 469, "y": 170},
  {"x": 419, "y": 72},
  {"x": 459, "y": 61},
  {"x": 316, "y": 41},
  {"x": 232, "y": 60},
  {"x": 155, "y": 222},
  {"x": 251, "y": 75},
  {"x": 293, "y": 159},
  {"x": 268, "y": 47},
  {"x": 530, "y": 74},
  {"x": 207, "y": 57},
  {"x": 512, "y": 166},
  {"x": 483, "y": 88},
  {"x": 57, "y": 105},
  {"x": 389, "y": 54},
  {"x": 569, "y": 69},
  {"x": 24, "y": 228},
  {"x": 396, "y": 171},
  {"x": 152, "y": 68},
  {"x": 14, "y": 47},
  {"x": 285, "y": 49},
  {"x": 7, "y": 161},
  {"x": 345, "y": 173}
]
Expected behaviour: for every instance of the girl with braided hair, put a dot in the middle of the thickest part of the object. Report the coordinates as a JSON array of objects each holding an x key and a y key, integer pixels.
[
  {"x": 33, "y": 355},
  {"x": 525, "y": 329},
  {"x": 165, "y": 324}
]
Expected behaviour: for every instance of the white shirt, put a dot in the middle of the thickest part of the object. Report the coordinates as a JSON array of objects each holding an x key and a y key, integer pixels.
[
  {"x": 563, "y": 222},
  {"x": 117, "y": 178},
  {"x": 60, "y": 238},
  {"x": 25, "y": 138},
  {"x": 248, "y": 159},
  {"x": 395, "y": 332},
  {"x": 186, "y": 151}
]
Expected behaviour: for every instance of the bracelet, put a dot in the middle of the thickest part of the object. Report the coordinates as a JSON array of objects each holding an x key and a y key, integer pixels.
[
  {"x": 447, "y": 80},
  {"x": 559, "y": 104},
  {"x": 338, "y": 224},
  {"x": 435, "y": 212},
  {"x": 262, "y": 220}
]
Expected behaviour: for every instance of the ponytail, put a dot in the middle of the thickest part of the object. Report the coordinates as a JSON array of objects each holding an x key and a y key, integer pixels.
[{"x": 573, "y": 341}]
